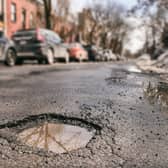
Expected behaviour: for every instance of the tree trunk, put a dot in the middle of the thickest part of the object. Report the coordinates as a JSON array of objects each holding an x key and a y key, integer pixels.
[{"x": 47, "y": 10}]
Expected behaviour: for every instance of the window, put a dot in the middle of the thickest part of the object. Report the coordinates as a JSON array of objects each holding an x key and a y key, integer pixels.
[
  {"x": 1, "y": 6},
  {"x": 13, "y": 12},
  {"x": 31, "y": 20},
  {"x": 54, "y": 37},
  {"x": 23, "y": 18},
  {"x": 1, "y": 10}
]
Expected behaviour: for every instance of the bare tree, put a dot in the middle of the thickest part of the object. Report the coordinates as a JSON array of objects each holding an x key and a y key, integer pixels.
[
  {"x": 107, "y": 25},
  {"x": 97, "y": 13},
  {"x": 155, "y": 21},
  {"x": 114, "y": 27}
]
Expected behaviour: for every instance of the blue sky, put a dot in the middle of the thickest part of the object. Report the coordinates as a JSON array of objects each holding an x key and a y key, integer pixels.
[{"x": 77, "y": 5}]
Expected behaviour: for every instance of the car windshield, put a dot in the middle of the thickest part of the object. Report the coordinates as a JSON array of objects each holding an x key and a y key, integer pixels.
[
  {"x": 75, "y": 45},
  {"x": 56, "y": 36}
]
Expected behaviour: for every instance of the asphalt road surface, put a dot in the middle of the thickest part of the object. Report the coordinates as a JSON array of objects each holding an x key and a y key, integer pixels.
[{"x": 132, "y": 132}]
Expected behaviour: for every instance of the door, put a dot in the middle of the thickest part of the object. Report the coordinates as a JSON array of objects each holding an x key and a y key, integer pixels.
[
  {"x": 56, "y": 43},
  {"x": 3, "y": 43}
]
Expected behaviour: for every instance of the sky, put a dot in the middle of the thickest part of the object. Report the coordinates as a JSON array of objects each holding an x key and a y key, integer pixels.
[{"x": 79, "y": 4}]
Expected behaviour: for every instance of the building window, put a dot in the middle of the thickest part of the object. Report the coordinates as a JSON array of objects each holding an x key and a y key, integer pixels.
[
  {"x": 23, "y": 18},
  {"x": 31, "y": 20},
  {"x": 13, "y": 12},
  {"x": 1, "y": 10}
]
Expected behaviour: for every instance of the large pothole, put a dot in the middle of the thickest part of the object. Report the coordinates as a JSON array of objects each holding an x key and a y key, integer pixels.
[
  {"x": 58, "y": 138},
  {"x": 52, "y": 132}
]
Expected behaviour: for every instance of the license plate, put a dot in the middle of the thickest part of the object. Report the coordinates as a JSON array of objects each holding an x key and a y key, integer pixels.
[
  {"x": 25, "y": 54},
  {"x": 23, "y": 42}
]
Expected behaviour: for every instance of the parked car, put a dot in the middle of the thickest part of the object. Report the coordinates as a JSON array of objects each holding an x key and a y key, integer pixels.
[
  {"x": 99, "y": 55},
  {"x": 105, "y": 55},
  {"x": 109, "y": 56},
  {"x": 92, "y": 51},
  {"x": 7, "y": 50},
  {"x": 77, "y": 52},
  {"x": 40, "y": 44}
]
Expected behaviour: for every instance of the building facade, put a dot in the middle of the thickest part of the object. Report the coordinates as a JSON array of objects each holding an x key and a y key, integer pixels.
[
  {"x": 18, "y": 14},
  {"x": 86, "y": 25},
  {"x": 1, "y": 14},
  {"x": 66, "y": 29}
]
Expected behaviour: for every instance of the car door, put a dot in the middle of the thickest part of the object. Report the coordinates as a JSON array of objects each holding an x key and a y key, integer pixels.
[
  {"x": 49, "y": 38},
  {"x": 56, "y": 41},
  {"x": 3, "y": 43}
]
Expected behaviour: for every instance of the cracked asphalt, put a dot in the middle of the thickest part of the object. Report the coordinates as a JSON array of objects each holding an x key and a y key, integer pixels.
[{"x": 134, "y": 133}]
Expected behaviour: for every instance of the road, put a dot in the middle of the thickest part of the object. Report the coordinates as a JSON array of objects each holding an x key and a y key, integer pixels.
[{"x": 133, "y": 133}]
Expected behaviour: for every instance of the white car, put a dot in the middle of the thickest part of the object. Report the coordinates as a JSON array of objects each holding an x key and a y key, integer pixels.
[
  {"x": 105, "y": 55},
  {"x": 99, "y": 55},
  {"x": 7, "y": 50},
  {"x": 109, "y": 55}
]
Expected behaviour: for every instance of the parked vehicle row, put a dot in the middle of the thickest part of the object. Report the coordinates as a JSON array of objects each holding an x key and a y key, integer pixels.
[
  {"x": 97, "y": 54},
  {"x": 46, "y": 46}
]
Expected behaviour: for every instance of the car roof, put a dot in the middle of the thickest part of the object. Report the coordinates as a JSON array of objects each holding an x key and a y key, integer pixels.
[
  {"x": 22, "y": 31},
  {"x": 32, "y": 29},
  {"x": 35, "y": 29}
]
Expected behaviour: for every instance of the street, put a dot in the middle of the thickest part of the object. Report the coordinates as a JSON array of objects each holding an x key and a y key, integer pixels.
[{"x": 131, "y": 132}]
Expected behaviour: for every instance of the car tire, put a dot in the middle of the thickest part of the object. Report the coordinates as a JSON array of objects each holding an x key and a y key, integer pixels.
[
  {"x": 50, "y": 57},
  {"x": 10, "y": 59}
]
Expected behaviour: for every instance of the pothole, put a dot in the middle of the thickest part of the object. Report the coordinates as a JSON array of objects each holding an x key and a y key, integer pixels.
[
  {"x": 157, "y": 93},
  {"x": 58, "y": 138},
  {"x": 51, "y": 132},
  {"x": 133, "y": 69}
]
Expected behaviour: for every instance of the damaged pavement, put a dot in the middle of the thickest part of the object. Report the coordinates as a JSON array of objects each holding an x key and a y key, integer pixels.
[{"x": 131, "y": 131}]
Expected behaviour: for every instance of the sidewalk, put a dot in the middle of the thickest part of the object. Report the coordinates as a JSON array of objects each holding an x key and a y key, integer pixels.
[{"x": 151, "y": 66}]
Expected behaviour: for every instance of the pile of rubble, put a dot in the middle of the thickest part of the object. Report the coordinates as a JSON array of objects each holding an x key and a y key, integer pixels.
[{"x": 159, "y": 65}]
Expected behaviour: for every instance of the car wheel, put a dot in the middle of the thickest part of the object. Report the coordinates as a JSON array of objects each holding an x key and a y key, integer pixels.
[
  {"x": 10, "y": 57},
  {"x": 50, "y": 57}
]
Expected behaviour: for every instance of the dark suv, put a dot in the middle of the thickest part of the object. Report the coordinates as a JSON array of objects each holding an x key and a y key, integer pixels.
[
  {"x": 7, "y": 50},
  {"x": 92, "y": 51},
  {"x": 40, "y": 44}
]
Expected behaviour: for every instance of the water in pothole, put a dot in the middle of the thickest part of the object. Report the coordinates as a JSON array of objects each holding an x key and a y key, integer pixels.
[
  {"x": 58, "y": 138},
  {"x": 157, "y": 93}
]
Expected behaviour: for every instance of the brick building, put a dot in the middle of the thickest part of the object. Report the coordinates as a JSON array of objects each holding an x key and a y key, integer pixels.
[
  {"x": 18, "y": 14},
  {"x": 66, "y": 28}
]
